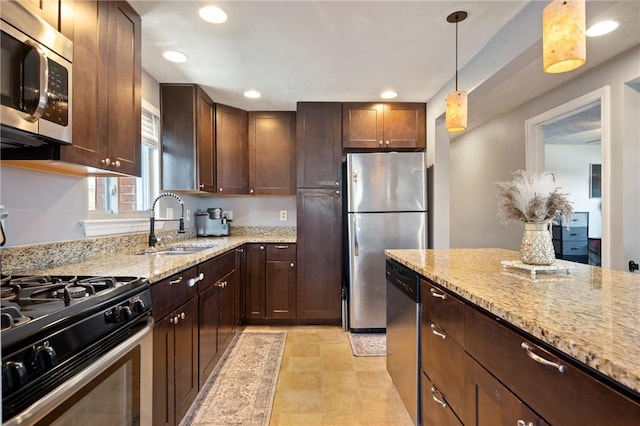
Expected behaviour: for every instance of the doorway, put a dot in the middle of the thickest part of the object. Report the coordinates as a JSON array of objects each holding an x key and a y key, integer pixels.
[{"x": 547, "y": 142}]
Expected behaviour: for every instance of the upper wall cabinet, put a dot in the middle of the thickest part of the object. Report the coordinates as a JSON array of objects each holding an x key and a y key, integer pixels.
[
  {"x": 384, "y": 126},
  {"x": 106, "y": 92},
  {"x": 188, "y": 138},
  {"x": 232, "y": 167},
  {"x": 272, "y": 138},
  {"x": 318, "y": 145}
]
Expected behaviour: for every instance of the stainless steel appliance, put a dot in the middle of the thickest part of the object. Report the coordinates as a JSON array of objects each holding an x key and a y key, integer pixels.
[
  {"x": 403, "y": 335},
  {"x": 212, "y": 223},
  {"x": 74, "y": 347},
  {"x": 386, "y": 209},
  {"x": 35, "y": 90}
]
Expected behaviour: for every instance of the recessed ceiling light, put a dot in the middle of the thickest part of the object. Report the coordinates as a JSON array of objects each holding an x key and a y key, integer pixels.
[
  {"x": 253, "y": 94},
  {"x": 389, "y": 94},
  {"x": 213, "y": 14},
  {"x": 174, "y": 56},
  {"x": 601, "y": 28}
]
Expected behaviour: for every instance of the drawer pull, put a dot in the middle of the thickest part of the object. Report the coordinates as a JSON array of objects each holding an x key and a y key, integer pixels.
[
  {"x": 176, "y": 281},
  {"x": 193, "y": 281},
  {"x": 537, "y": 358},
  {"x": 436, "y": 399},
  {"x": 282, "y": 247},
  {"x": 438, "y": 331},
  {"x": 523, "y": 423},
  {"x": 436, "y": 293}
]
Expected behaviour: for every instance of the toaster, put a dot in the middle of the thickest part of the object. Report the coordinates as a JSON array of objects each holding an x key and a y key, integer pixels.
[{"x": 212, "y": 223}]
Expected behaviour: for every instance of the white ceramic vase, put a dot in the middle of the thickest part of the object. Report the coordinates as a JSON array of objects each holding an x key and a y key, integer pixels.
[{"x": 537, "y": 246}]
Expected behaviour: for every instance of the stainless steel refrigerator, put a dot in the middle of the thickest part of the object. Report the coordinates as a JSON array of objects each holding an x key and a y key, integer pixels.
[{"x": 386, "y": 209}]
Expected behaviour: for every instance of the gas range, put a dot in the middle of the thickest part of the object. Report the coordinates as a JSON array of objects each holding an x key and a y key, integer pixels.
[{"x": 54, "y": 326}]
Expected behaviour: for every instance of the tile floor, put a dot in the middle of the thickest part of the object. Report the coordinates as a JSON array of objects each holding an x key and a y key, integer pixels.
[{"x": 322, "y": 383}]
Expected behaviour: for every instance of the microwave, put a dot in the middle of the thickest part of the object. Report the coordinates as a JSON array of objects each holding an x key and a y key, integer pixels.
[{"x": 36, "y": 76}]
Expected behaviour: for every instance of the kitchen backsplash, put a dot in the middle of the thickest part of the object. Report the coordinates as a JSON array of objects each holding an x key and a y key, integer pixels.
[{"x": 38, "y": 256}]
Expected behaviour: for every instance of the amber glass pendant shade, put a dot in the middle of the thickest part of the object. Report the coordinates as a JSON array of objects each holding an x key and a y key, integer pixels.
[
  {"x": 563, "y": 36},
  {"x": 456, "y": 113}
]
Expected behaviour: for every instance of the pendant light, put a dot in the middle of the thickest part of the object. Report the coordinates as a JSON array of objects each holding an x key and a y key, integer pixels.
[
  {"x": 456, "y": 113},
  {"x": 564, "y": 42}
]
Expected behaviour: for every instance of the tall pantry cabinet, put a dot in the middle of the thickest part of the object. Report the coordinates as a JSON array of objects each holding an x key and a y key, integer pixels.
[{"x": 319, "y": 204}]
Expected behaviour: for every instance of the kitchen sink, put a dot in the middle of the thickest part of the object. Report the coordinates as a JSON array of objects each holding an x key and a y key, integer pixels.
[{"x": 172, "y": 251}]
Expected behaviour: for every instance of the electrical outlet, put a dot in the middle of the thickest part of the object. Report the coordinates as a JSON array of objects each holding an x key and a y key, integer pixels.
[
  {"x": 283, "y": 215},
  {"x": 188, "y": 215}
]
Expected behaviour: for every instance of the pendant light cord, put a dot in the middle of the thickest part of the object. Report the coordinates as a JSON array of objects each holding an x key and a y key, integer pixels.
[{"x": 456, "y": 56}]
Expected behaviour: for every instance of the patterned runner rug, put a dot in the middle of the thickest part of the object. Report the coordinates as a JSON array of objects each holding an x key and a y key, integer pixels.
[
  {"x": 368, "y": 344},
  {"x": 241, "y": 389}
]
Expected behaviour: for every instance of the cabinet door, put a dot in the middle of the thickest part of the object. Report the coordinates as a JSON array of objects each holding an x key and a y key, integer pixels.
[
  {"x": 205, "y": 142},
  {"x": 124, "y": 97},
  {"x": 48, "y": 10},
  {"x": 319, "y": 254},
  {"x": 281, "y": 289},
  {"x": 226, "y": 325},
  {"x": 186, "y": 356},
  {"x": 232, "y": 163},
  {"x": 405, "y": 125},
  {"x": 363, "y": 125},
  {"x": 163, "y": 373},
  {"x": 489, "y": 402},
  {"x": 436, "y": 410},
  {"x": 209, "y": 312},
  {"x": 272, "y": 137},
  {"x": 319, "y": 144},
  {"x": 255, "y": 281}
]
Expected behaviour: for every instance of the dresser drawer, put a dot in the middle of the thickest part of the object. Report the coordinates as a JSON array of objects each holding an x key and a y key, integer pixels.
[
  {"x": 281, "y": 252},
  {"x": 562, "y": 394},
  {"x": 572, "y": 234},
  {"x": 571, "y": 248},
  {"x": 446, "y": 310},
  {"x": 443, "y": 361},
  {"x": 170, "y": 293}
]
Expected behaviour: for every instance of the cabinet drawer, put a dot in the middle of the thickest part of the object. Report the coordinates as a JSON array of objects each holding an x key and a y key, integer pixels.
[
  {"x": 444, "y": 309},
  {"x": 572, "y": 248},
  {"x": 435, "y": 408},
  {"x": 281, "y": 252},
  {"x": 572, "y": 234},
  {"x": 571, "y": 397},
  {"x": 172, "y": 292},
  {"x": 443, "y": 361},
  {"x": 215, "y": 269}
]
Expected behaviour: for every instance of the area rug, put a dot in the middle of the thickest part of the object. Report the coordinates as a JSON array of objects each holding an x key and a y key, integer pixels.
[
  {"x": 241, "y": 389},
  {"x": 368, "y": 344}
]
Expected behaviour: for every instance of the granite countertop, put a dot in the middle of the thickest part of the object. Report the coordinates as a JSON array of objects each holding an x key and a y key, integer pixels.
[
  {"x": 591, "y": 314},
  {"x": 156, "y": 268}
]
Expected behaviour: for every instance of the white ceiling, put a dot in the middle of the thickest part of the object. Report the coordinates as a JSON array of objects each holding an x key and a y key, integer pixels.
[{"x": 351, "y": 51}]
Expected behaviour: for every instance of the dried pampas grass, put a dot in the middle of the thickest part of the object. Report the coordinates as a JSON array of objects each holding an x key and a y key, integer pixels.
[{"x": 532, "y": 198}]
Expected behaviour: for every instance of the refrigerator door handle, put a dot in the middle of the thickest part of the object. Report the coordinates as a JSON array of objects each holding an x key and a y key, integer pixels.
[{"x": 356, "y": 248}]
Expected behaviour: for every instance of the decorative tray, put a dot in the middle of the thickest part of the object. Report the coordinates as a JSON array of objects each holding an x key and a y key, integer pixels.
[{"x": 535, "y": 269}]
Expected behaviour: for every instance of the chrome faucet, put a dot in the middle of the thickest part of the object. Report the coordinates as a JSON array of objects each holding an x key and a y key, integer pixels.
[{"x": 153, "y": 240}]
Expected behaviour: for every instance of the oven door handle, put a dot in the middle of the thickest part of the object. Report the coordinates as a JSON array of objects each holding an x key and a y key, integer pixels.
[
  {"x": 44, "y": 83},
  {"x": 55, "y": 398}
]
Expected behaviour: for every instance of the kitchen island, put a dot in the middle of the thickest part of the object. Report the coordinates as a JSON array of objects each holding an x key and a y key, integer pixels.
[{"x": 589, "y": 317}]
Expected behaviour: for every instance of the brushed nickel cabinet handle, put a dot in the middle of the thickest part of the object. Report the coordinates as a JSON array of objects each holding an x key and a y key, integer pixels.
[
  {"x": 176, "y": 281},
  {"x": 537, "y": 358},
  {"x": 292, "y": 265},
  {"x": 182, "y": 315},
  {"x": 523, "y": 423},
  {"x": 438, "y": 331},
  {"x": 437, "y": 294},
  {"x": 282, "y": 247},
  {"x": 436, "y": 399}
]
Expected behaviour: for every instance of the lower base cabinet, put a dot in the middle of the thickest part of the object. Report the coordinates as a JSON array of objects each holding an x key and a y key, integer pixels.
[{"x": 435, "y": 410}]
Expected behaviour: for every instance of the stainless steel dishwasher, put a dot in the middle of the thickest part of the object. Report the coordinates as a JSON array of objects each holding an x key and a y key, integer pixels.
[{"x": 403, "y": 334}]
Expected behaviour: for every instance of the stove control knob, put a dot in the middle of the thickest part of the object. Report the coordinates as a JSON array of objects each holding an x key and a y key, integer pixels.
[
  {"x": 14, "y": 375},
  {"x": 43, "y": 358},
  {"x": 123, "y": 313},
  {"x": 138, "y": 306}
]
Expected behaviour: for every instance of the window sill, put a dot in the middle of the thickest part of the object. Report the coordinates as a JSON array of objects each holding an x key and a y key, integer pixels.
[{"x": 100, "y": 227}]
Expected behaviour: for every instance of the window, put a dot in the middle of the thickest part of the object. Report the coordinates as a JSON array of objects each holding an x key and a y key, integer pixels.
[{"x": 112, "y": 195}]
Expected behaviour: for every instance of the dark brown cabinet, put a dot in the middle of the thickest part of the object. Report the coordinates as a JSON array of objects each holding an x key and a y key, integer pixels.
[
  {"x": 318, "y": 145},
  {"x": 271, "y": 282},
  {"x": 232, "y": 165},
  {"x": 188, "y": 138},
  {"x": 175, "y": 346},
  {"x": 435, "y": 409},
  {"x": 319, "y": 216},
  {"x": 272, "y": 153},
  {"x": 49, "y": 10},
  {"x": 384, "y": 125}
]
